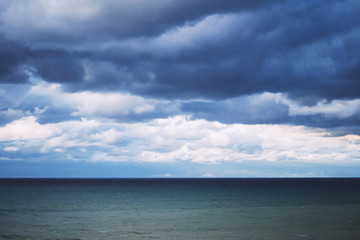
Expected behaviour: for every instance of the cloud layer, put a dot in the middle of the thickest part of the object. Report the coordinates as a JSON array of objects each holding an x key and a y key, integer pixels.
[
  {"x": 180, "y": 81},
  {"x": 220, "y": 50},
  {"x": 178, "y": 139}
]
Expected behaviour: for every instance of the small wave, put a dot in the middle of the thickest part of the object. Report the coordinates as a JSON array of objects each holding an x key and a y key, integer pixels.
[
  {"x": 69, "y": 239},
  {"x": 138, "y": 232},
  {"x": 302, "y": 235}
]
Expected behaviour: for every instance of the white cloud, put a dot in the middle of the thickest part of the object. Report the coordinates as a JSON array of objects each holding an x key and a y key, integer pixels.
[
  {"x": 340, "y": 109},
  {"x": 73, "y": 134},
  {"x": 180, "y": 139},
  {"x": 109, "y": 104},
  {"x": 99, "y": 104},
  {"x": 102, "y": 156},
  {"x": 164, "y": 175},
  {"x": 213, "y": 142},
  {"x": 27, "y": 128},
  {"x": 10, "y": 149},
  {"x": 176, "y": 138},
  {"x": 108, "y": 136},
  {"x": 334, "y": 109},
  {"x": 210, "y": 175}
]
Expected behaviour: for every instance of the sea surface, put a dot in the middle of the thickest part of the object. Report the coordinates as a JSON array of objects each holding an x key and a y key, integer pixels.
[{"x": 180, "y": 209}]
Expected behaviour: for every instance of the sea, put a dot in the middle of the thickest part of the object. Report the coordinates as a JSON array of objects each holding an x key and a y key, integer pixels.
[{"x": 239, "y": 208}]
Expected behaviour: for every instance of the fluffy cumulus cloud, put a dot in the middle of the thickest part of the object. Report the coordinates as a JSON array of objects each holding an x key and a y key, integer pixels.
[
  {"x": 108, "y": 105},
  {"x": 203, "y": 82},
  {"x": 180, "y": 139}
]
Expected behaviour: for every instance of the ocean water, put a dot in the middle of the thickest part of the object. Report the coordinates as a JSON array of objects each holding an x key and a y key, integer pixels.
[{"x": 180, "y": 209}]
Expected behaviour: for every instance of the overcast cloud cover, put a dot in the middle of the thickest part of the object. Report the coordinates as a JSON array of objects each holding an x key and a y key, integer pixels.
[{"x": 177, "y": 88}]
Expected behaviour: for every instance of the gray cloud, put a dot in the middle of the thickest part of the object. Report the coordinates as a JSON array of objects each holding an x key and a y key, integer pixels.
[
  {"x": 248, "y": 110},
  {"x": 62, "y": 22},
  {"x": 213, "y": 50},
  {"x": 190, "y": 50},
  {"x": 58, "y": 66},
  {"x": 12, "y": 59},
  {"x": 307, "y": 49}
]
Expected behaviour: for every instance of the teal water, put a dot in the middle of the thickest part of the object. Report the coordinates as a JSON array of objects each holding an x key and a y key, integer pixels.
[{"x": 180, "y": 209}]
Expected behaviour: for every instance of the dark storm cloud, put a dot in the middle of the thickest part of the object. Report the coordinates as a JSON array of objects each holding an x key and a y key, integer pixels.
[
  {"x": 308, "y": 49},
  {"x": 295, "y": 48},
  {"x": 84, "y": 20},
  {"x": 215, "y": 50},
  {"x": 58, "y": 66},
  {"x": 143, "y": 18},
  {"x": 12, "y": 57}
]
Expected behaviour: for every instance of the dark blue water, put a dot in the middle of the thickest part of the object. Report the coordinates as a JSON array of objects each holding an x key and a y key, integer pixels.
[{"x": 180, "y": 208}]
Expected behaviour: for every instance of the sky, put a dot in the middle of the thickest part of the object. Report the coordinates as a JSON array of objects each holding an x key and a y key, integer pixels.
[{"x": 180, "y": 88}]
